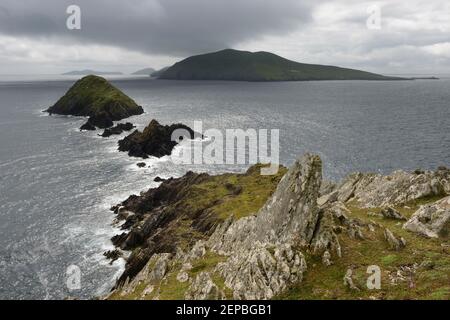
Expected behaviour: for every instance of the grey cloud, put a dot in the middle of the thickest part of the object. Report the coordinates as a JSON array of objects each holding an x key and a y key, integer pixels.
[{"x": 171, "y": 27}]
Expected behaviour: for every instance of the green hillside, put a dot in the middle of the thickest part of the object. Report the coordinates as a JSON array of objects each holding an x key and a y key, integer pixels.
[{"x": 237, "y": 65}]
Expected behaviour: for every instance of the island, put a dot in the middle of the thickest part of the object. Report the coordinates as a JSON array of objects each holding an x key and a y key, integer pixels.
[
  {"x": 159, "y": 72},
  {"x": 88, "y": 72},
  {"x": 238, "y": 65},
  {"x": 144, "y": 72},
  {"x": 155, "y": 140},
  {"x": 96, "y": 98}
]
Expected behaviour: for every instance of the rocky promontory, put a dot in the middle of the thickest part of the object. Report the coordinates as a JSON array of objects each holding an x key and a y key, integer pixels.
[
  {"x": 94, "y": 97},
  {"x": 155, "y": 140},
  {"x": 290, "y": 236}
]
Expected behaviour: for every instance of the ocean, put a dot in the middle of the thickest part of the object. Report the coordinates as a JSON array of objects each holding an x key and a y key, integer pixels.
[{"x": 57, "y": 183}]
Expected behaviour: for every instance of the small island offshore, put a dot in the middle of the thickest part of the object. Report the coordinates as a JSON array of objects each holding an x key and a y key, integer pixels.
[{"x": 292, "y": 235}]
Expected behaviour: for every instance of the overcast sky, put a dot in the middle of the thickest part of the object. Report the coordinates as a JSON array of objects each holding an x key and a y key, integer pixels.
[{"x": 116, "y": 35}]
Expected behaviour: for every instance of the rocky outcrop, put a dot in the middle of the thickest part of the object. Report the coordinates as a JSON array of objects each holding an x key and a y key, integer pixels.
[
  {"x": 155, "y": 140},
  {"x": 175, "y": 215},
  {"x": 117, "y": 129},
  {"x": 432, "y": 220},
  {"x": 100, "y": 120},
  {"x": 203, "y": 288},
  {"x": 394, "y": 242},
  {"x": 264, "y": 251},
  {"x": 290, "y": 215},
  {"x": 302, "y": 226},
  {"x": 391, "y": 213},
  {"x": 376, "y": 190},
  {"x": 94, "y": 97}
]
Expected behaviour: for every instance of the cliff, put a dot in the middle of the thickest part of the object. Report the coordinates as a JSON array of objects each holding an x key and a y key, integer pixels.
[{"x": 303, "y": 238}]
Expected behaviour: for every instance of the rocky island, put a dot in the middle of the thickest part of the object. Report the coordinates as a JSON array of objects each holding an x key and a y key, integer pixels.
[
  {"x": 289, "y": 236},
  {"x": 96, "y": 98},
  {"x": 155, "y": 140},
  {"x": 238, "y": 65}
]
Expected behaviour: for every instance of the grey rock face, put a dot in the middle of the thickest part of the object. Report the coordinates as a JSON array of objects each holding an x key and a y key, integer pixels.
[
  {"x": 203, "y": 288},
  {"x": 263, "y": 251},
  {"x": 375, "y": 190},
  {"x": 325, "y": 239},
  {"x": 431, "y": 220},
  {"x": 262, "y": 272},
  {"x": 290, "y": 214},
  {"x": 394, "y": 242},
  {"x": 391, "y": 213}
]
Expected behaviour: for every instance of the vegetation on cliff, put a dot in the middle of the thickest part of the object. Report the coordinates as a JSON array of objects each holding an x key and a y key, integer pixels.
[
  {"x": 309, "y": 240},
  {"x": 95, "y": 97},
  {"x": 237, "y": 65},
  {"x": 181, "y": 211}
]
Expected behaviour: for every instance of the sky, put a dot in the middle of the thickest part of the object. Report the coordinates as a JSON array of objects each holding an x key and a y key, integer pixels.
[{"x": 386, "y": 36}]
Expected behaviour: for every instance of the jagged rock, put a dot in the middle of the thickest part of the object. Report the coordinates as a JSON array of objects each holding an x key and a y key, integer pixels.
[
  {"x": 203, "y": 288},
  {"x": 182, "y": 276},
  {"x": 159, "y": 179},
  {"x": 431, "y": 220},
  {"x": 290, "y": 214},
  {"x": 198, "y": 251},
  {"x": 117, "y": 129},
  {"x": 141, "y": 164},
  {"x": 348, "y": 280},
  {"x": 347, "y": 187},
  {"x": 113, "y": 255},
  {"x": 155, "y": 140},
  {"x": 327, "y": 187},
  {"x": 427, "y": 265},
  {"x": 159, "y": 270},
  {"x": 88, "y": 127},
  {"x": 262, "y": 255},
  {"x": 391, "y": 213},
  {"x": 328, "y": 199},
  {"x": 259, "y": 273},
  {"x": 375, "y": 190},
  {"x": 354, "y": 231},
  {"x": 340, "y": 211},
  {"x": 148, "y": 290},
  {"x": 186, "y": 266},
  {"x": 394, "y": 243},
  {"x": 325, "y": 239},
  {"x": 326, "y": 258}
]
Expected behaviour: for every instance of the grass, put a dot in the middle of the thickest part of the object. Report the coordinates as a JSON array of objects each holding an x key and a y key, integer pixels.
[
  {"x": 216, "y": 194},
  {"x": 258, "y": 66},
  {"x": 92, "y": 95},
  {"x": 429, "y": 260},
  {"x": 172, "y": 289},
  {"x": 323, "y": 282}
]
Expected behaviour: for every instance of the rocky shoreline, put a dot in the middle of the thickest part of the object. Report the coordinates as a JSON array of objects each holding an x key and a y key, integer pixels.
[
  {"x": 288, "y": 236},
  {"x": 191, "y": 252}
]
